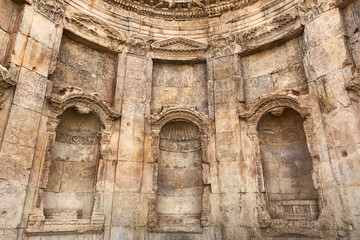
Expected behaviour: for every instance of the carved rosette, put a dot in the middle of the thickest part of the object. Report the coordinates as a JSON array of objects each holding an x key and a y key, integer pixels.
[
  {"x": 52, "y": 9},
  {"x": 7, "y": 80}
]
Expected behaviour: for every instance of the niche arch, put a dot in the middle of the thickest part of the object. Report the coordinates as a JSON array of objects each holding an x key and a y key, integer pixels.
[
  {"x": 179, "y": 140},
  {"x": 289, "y": 211},
  {"x": 71, "y": 100}
]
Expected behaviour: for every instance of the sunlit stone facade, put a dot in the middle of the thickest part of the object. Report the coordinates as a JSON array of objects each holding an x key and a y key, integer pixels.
[{"x": 179, "y": 119}]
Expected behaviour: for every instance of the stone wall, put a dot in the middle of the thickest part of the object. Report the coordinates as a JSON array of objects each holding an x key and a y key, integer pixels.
[{"x": 118, "y": 123}]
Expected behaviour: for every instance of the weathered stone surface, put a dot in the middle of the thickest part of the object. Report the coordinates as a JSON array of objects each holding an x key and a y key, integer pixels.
[{"x": 179, "y": 120}]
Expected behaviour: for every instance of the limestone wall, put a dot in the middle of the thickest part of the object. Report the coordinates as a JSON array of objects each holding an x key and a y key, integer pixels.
[{"x": 117, "y": 124}]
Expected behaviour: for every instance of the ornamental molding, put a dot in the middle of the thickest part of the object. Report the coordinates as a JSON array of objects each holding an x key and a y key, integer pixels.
[
  {"x": 75, "y": 97},
  {"x": 284, "y": 27},
  {"x": 95, "y": 30},
  {"x": 174, "y": 113},
  {"x": 181, "y": 9},
  {"x": 274, "y": 104},
  {"x": 7, "y": 81},
  {"x": 52, "y": 9},
  {"x": 137, "y": 45},
  {"x": 178, "y": 47},
  {"x": 222, "y": 45}
]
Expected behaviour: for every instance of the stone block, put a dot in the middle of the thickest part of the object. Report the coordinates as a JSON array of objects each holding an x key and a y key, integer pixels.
[
  {"x": 8, "y": 234},
  {"x": 230, "y": 209},
  {"x": 227, "y": 119},
  {"x": 27, "y": 20},
  {"x": 223, "y": 68},
  {"x": 229, "y": 177},
  {"x": 122, "y": 233},
  {"x": 109, "y": 175},
  {"x": 258, "y": 86},
  {"x": 128, "y": 176},
  {"x": 43, "y": 30},
  {"x": 7, "y": 11},
  {"x": 35, "y": 168},
  {"x": 214, "y": 178},
  {"x": 30, "y": 90},
  {"x": 132, "y": 133},
  {"x": 228, "y": 147},
  {"x": 147, "y": 180},
  {"x": 41, "y": 142},
  {"x": 236, "y": 233},
  {"x": 325, "y": 38},
  {"x": 22, "y": 127},
  {"x": 225, "y": 91},
  {"x": 37, "y": 57},
  {"x": 16, "y": 163},
  {"x": 134, "y": 90},
  {"x": 135, "y": 67},
  {"x": 130, "y": 210},
  {"x": 18, "y": 50}
]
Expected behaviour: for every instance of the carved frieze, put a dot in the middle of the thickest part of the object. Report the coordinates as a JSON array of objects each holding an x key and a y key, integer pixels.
[
  {"x": 189, "y": 146},
  {"x": 94, "y": 30},
  {"x": 75, "y": 139},
  {"x": 222, "y": 45},
  {"x": 52, "y": 9},
  {"x": 295, "y": 209},
  {"x": 7, "y": 80},
  {"x": 181, "y": 10},
  {"x": 179, "y": 48},
  {"x": 309, "y": 9},
  {"x": 137, "y": 45},
  {"x": 285, "y": 26},
  {"x": 73, "y": 96}
]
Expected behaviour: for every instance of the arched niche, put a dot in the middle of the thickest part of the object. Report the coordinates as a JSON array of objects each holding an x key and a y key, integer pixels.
[
  {"x": 70, "y": 189},
  {"x": 288, "y": 212},
  {"x": 179, "y": 183},
  {"x": 181, "y": 200},
  {"x": 78, "y": 132},
  {"x": 287, "y": 166}
]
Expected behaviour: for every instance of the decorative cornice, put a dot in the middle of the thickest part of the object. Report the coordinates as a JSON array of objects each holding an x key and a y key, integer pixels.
[
  {"x": 52, "y": 9},
  {"x": 272, "y": 103},
  {"x": 280, "y": 28},
  {"x": 78, "y": 98},
  {"x": 137, "y": 45},
  {"x": 222, "y": 45},
  {"x": 183, "y": 9},
  {"x": 94, "y": 30},
  {"x": 7, "y": 80},
  {"x": 179, "y": 47},
  {"x": 179, "y": 44},
  {"x": 186, "y": 113}
]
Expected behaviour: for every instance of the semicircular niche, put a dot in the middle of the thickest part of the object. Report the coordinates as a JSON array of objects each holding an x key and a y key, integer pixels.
[{"x": 180, "y": 186}]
